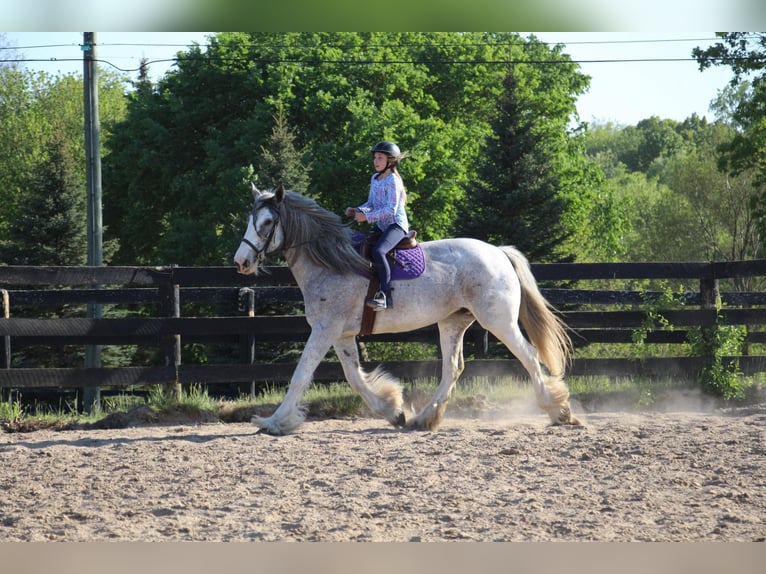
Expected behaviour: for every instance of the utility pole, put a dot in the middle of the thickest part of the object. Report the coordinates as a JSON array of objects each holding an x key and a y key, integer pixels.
[{"x": 92, "y": 395}]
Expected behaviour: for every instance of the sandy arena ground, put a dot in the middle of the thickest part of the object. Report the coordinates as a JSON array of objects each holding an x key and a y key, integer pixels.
[{"x": 670, "y": 476}]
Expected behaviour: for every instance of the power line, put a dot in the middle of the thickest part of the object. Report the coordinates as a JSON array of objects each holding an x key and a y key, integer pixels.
[
  {"x": 520, "y": 41},
  {"x": 515, "y": 41},
  {"x": 347, "y": 62}
]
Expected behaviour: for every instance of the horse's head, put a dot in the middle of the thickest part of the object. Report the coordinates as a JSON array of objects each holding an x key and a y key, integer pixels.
[{"x": 264, "y": 233}]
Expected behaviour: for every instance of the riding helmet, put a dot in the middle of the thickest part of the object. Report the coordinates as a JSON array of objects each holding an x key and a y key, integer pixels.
[{"x": 388, "y": 148}]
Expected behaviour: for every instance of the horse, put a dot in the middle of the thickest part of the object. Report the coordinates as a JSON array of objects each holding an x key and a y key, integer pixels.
[{"x": 465, "y": 280}]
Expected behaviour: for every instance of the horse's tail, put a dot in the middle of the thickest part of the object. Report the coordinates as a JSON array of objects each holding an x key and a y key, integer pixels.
[{"x": 545, "y": 330}]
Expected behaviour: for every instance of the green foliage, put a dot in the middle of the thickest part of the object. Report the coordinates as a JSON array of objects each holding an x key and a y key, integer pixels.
[
  {"x": 194, "y": 397},
  {"x": 42, "y": 164},
  {"x": 51, "y": 228},
  {"x": 654, "y": 319},
  {"x": 718, "y": 376},
  {"x": 400, "y": 351},
  {"x": 681, "y": 207},
  {"x": 12, "y": 410},
  {"x": 716, "y": 206},
  {"x": 713, "y": 344},
  {"x": 635, "y": 147},
  {"x": 532, "y": 179},
  {"x": 744, "y": 53},
  {"x": 282, "y": 163},
  {"x": 253, "y": 103}
]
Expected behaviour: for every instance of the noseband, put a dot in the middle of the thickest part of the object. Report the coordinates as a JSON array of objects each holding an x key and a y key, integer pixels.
[{"x": 267, "y": 238}]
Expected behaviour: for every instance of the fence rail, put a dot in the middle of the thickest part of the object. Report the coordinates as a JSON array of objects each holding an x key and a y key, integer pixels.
[{"x": 31, "y": 294}]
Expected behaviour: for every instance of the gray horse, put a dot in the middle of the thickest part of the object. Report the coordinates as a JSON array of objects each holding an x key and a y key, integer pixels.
[{"x": 465, "y": 280}]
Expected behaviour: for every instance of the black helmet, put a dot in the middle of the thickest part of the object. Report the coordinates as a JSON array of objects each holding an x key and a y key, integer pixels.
[{"x": 388, "y": 148}]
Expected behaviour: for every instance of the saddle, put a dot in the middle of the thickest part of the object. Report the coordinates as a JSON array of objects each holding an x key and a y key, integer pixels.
[
  {"x": 406, "y": 265},
  {"x": 370, "y": 239}
]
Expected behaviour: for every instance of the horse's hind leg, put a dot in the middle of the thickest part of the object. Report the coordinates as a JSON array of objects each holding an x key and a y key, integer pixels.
[
  {"x": 379, "y": 390},
  {"x": 451, "y": 331},
  {"x": 551, "y": 393}
]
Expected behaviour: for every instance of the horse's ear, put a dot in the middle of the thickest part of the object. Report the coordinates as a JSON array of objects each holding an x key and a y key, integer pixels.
[
  {"x": 256, "y": 192},
  {"x": 280, "y": 194}
]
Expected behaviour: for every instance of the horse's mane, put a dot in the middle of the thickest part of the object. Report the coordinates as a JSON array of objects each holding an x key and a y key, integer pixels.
[{"x": 320, "y": 233}]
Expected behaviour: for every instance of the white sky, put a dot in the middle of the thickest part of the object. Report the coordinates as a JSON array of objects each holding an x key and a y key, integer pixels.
[
  {"x": 627, "y": 92},
  {"x": 623, "y": 92}
]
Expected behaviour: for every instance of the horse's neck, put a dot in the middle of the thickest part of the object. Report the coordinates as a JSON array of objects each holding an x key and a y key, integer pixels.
[{"x": 300, "y": 266}]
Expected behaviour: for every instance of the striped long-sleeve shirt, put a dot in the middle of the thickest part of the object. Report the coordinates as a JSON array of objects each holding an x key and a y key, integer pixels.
[{"x": 385, "y": 203}]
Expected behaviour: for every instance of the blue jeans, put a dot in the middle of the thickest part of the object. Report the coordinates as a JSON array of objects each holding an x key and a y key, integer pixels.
[{"x": 391, "y": 236}]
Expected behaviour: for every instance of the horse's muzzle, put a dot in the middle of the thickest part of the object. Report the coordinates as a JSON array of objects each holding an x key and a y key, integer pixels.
[{"x": 244, "y": 267}]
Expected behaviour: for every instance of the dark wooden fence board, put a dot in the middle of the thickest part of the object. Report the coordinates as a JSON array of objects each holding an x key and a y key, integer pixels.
[
  {"x": 660, "y": 270},
  {"x": 23, "y": 275},
  {"x": 80, "y": 377},
  {"x": 271, "y": 275},
  {"x": 290, "y": 325}
]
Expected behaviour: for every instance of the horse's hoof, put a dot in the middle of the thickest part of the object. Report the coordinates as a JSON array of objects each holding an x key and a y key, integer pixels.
[
  {"x": 400, "y": 420},
  {"x": 566, "y": 418},
  {"x": 566, "y": 421}
]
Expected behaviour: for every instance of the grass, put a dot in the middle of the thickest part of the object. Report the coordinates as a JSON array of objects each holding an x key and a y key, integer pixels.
[{"x": 471, "y": 397}]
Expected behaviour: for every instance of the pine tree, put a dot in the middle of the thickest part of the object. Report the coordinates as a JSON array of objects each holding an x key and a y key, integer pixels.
[
  {"x": 516, "y": 199},
  {"x": 51, "y": 228},
  {"x": 281, "y": 162}
]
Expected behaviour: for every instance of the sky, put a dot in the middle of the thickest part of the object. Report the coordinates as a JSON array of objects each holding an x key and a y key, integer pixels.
[{"x": 633, "y": 75}]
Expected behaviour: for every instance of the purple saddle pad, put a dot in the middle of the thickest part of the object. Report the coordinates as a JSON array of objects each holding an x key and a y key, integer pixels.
[{"x": 407, "y": 263}]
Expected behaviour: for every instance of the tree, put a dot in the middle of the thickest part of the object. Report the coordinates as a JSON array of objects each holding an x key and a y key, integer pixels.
[
  {"x": 723, "y": 222},
  {"x": 741, "y": 51},
  {"x": 745, "y": 54},
  {"x": 282, "y": 163},
  {"x": 530, "y": 176},
  {"x": 637, "y": 147},
  {"x": 681, "y": 206},
  {"x": 51, "y": 228},
  {"x": 42, "y": 154},
  {"x": 175, "y": 179}
]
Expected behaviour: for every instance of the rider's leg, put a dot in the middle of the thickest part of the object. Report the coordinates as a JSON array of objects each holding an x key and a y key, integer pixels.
[{"x": 388, "y": 240}]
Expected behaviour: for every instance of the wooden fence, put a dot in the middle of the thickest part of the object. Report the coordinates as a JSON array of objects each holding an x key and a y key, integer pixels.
[{"x": 594, "y": 315}]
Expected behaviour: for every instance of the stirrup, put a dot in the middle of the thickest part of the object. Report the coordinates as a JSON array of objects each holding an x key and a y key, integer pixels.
[{"x": 378, "y": 302}]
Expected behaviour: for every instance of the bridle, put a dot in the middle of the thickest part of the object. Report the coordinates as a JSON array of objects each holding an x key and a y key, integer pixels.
[{"x": 259, "y": 253}]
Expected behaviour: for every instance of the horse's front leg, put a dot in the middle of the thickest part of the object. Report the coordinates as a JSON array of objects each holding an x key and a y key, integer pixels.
[{"x": 289, "y": 414}]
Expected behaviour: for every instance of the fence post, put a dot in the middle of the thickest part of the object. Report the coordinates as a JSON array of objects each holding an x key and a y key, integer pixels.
[
  {"x": 91, "y": 396},
  {"x": 5, "y": 348},
  {"x": 481, "y": 342},
  {"x": 711, "y": 296},
  {"x": 709, "y": 290},
  {"x": 246, "y": 300},
  {"x": 170, "y": 306}
]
